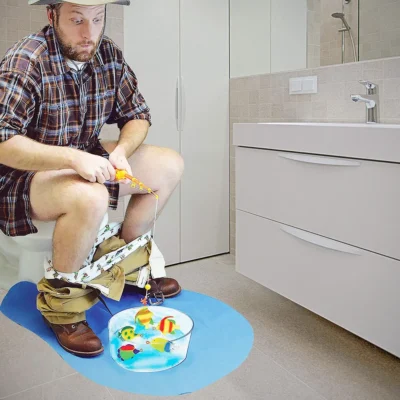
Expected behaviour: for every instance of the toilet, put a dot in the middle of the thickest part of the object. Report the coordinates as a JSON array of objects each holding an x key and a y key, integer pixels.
[{"x": 22, "y": 257}]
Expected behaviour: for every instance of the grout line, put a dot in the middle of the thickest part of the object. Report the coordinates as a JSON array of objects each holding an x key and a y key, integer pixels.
[
  {"x": 108, "y": 390},
  {"x": 290, "y": 373},
  {"x": 37, "y": 386}
]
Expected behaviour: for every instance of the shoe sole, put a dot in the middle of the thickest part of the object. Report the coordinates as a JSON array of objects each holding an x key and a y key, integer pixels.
[
  {"x": 173, "y": 294},
  {"x": 74, "y": 352}
]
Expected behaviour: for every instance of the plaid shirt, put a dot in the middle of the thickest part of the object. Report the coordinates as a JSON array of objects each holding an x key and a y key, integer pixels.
[{"x": 42, "y": 98}]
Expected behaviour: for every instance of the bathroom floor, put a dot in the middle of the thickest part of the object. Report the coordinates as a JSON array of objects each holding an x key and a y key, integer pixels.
[{"x": 296, "y": 355}]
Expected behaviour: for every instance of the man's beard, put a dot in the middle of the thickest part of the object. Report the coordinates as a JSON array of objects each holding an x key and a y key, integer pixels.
[{"x": 73, "y": 53}]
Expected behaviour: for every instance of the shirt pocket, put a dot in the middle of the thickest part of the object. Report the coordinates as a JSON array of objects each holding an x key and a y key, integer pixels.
[{"x": 53, "y": 123}]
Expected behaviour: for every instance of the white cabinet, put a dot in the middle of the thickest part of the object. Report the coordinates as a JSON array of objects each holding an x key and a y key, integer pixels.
[
  {"x": 320, "y": 227},
  {"x": 353, "y": 288},
  {"x": 179, "y": 50}
]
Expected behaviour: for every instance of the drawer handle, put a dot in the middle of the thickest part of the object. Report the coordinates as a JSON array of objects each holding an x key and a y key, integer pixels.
[
  {"x": 320, "y": 241},
  {"x": 320, "y": 160}
]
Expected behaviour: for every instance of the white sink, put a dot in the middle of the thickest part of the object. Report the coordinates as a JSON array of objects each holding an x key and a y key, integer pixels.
[{"x": 379, "y": 142}]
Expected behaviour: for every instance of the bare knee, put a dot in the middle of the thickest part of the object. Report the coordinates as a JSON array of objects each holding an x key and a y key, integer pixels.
[
  {"x": 90, "y": 200},
  {"x": 174, "y": 165}
]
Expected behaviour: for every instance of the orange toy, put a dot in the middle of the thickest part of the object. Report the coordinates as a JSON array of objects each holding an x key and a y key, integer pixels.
[{"x": 121, "y": 174}]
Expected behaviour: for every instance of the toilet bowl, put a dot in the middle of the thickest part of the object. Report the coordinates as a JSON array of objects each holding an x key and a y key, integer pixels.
[{"x": 22, "y": 257}]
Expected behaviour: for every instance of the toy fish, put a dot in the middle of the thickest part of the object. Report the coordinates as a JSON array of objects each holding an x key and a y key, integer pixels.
[
  {"x": 167, "y": 325},
  {"x": 161, "y": 344},
  {"x": 145, "y": 317},
  {"x": 127, "y": 352},
  {"x": 127, "y": 333}
]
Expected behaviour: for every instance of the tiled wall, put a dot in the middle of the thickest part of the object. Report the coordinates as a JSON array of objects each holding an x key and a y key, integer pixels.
[
  {"x": 331, "y": 39},
  {"x": 379, "y": 29},
  {"x": 265, "y": 98},
  {"x": 17, "y": 20}
]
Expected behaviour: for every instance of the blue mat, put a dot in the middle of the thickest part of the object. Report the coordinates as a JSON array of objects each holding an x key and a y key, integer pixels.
[{"x": 221, "y": 340}]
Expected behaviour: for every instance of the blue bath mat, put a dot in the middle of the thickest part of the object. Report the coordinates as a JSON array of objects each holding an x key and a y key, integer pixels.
[{"x": 221, "y": 340}]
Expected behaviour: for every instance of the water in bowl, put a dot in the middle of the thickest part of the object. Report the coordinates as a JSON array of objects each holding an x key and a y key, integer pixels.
[{"x": 149, "y": 339}]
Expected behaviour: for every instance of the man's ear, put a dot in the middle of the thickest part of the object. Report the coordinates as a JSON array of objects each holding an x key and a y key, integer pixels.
[{"x": 50, "y": 15}]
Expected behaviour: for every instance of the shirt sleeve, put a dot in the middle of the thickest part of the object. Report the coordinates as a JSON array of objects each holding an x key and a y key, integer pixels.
[
  {"x": 18, "y": 99},
  {"x": 129, "y": 103}
]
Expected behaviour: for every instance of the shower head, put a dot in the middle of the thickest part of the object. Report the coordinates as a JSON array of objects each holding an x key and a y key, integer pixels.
[{"x": 343, "y": 18}]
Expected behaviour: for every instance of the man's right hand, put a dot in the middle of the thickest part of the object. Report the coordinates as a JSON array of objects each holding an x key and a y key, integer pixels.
[{"x": 93, "y": 168}]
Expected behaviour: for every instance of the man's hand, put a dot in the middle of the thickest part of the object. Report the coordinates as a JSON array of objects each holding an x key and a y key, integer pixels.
[
  {"x": 119, "y": 161},
  {"x": 93, "y": 168}
]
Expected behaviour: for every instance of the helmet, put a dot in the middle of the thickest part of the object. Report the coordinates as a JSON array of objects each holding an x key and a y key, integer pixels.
[{"x": 80, "y": 2}]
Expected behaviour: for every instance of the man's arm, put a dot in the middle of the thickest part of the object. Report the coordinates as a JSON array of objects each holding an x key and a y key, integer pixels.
[
  {"x": 132, "y": 136},
  {"x": 22, "y": 153}
]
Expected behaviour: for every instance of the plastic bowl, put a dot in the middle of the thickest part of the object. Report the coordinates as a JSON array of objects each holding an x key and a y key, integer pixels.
[{"x": 149, "y": 339}]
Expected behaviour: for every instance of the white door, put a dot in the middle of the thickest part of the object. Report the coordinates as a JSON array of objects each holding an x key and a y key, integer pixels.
[
  {"x": 205, "y": 128},
  {"x": 152, "y": 51}
]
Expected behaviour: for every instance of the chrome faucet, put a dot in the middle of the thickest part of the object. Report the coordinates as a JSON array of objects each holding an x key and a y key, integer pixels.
[{"x": 370, "y": 100}]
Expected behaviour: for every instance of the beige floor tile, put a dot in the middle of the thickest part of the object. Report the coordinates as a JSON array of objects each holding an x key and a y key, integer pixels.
[
  {"x": 75, "y": 387},
  {"x": 26, "y": 360},
  {"x": 30, "y": 394},
  {"x": 258, "y": 378}
]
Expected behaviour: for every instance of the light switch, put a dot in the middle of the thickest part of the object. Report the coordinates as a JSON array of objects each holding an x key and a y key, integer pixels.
[
  {"x": 309, "y": 84},
  {"x": 295, "y": 85}
]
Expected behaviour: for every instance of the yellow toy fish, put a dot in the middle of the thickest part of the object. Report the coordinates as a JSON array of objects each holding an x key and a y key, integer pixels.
[
  {"x": 167, "y": 325},
  {"x": 145, "y": 317},
  {"x": 160, "y": 344}
]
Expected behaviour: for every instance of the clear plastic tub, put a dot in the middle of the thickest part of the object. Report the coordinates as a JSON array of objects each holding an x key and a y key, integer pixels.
[{"x": 149, "y": 339}]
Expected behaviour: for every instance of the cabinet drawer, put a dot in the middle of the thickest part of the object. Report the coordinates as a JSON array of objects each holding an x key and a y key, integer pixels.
[
  {"x": 353, "y": 288},
  {"x": 353, "y": 201}
]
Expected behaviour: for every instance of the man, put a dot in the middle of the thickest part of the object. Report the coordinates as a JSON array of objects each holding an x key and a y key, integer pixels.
[{"x": 57, "y": 89}]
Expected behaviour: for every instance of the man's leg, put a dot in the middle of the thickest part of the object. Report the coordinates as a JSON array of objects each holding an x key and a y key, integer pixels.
[
  {"x": 160, "y": 169},
  {"x": 78, "y": 207}
]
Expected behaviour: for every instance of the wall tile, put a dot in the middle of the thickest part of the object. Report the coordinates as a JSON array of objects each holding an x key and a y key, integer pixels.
[
  {"x": 372, "y": 70},
  {"x": 254, "y": 97},
  {"x": 392, "y": 88},
  {"x": 392, "y": 68}
]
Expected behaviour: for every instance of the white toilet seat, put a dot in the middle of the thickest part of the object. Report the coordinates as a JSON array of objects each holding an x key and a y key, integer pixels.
[
  {"x": 40, "y": 241},
  {"x": 25, "y": 255},
  {"x": 43, "y": 239}
]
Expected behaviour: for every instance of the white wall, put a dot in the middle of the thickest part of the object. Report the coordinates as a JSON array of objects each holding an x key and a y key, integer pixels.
[
  {"x": 288, "y": 35},
  {"x": 267, "y": 36},
  {"x": 250, "y": 37}
]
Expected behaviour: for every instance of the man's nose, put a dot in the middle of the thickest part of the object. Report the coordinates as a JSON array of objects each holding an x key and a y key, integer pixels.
[{"x": 87, "y": 30}]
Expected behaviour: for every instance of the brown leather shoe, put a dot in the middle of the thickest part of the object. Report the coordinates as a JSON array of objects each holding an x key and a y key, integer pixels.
[
  {"x": 168, "y": 286},
  {"x": 77, "y": 338}
]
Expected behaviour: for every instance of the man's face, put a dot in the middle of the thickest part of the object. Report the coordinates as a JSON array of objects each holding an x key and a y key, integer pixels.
[{"x": 78, "y": 29}]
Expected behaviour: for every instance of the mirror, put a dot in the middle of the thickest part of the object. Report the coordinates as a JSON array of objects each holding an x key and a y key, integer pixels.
[{"x": 270, "y": 36}]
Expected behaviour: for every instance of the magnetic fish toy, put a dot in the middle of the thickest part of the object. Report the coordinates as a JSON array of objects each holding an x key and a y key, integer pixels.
[
  {"x": 145, "y": 317},
  {"x": 127, "y": 333},
  {"x": 127, "y": 352},
  {"x": 160, "y": 344},
  {"x": 167, "y": 325}
]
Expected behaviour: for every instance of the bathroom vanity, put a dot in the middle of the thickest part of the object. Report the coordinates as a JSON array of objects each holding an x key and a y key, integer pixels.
[{"x": 318, "y": 220}]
